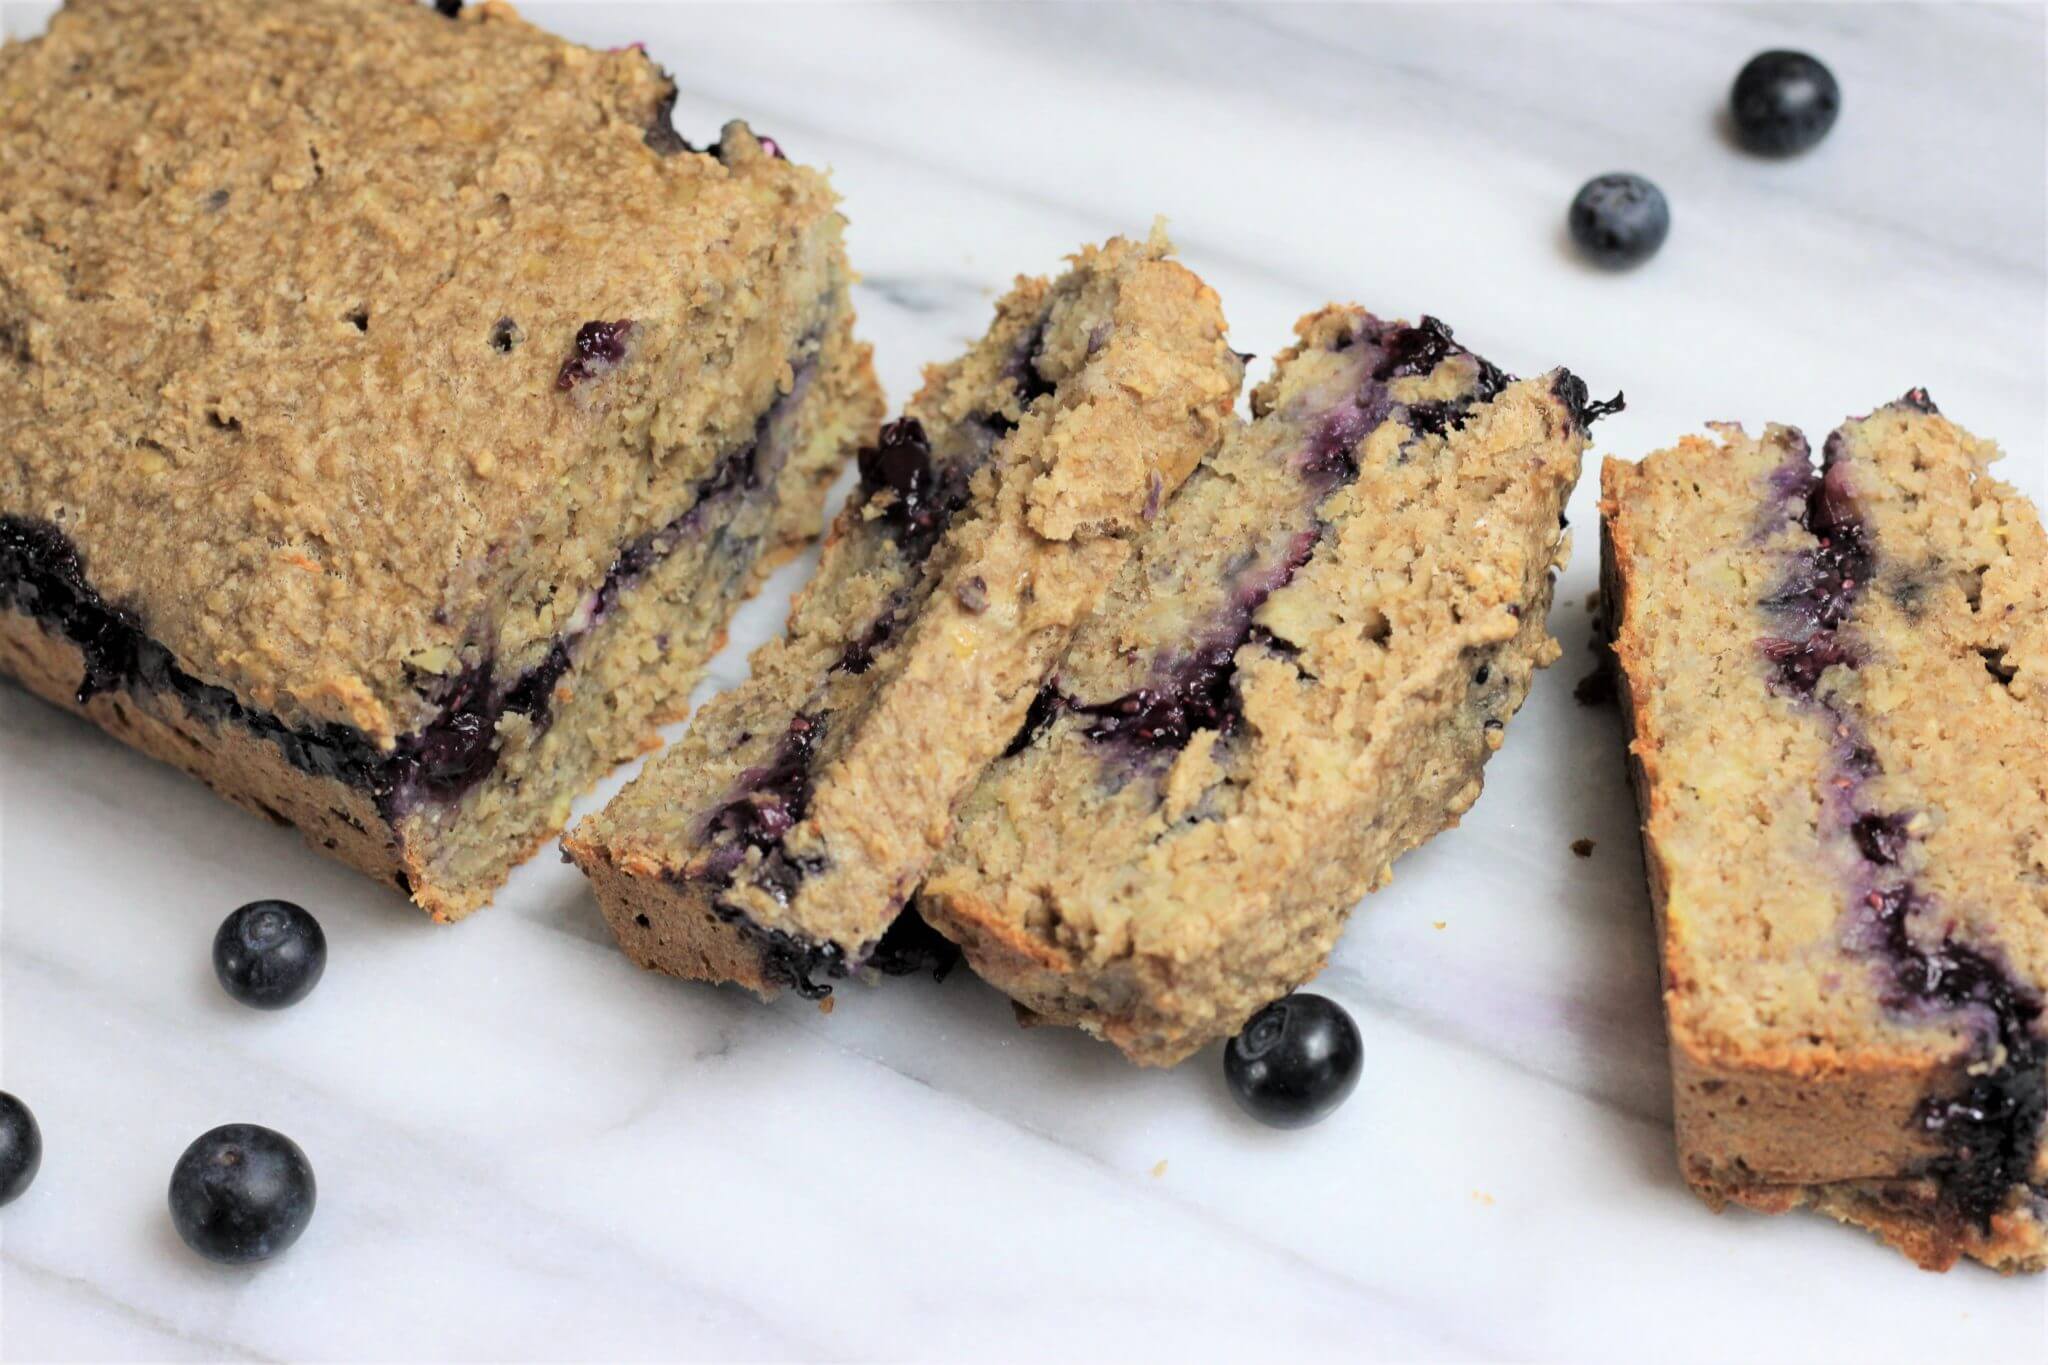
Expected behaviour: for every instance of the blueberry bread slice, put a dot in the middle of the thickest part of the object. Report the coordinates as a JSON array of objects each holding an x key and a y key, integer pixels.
[
  {"x": 1834, "y": 678},
  {"x": 779, "y": 840},
  {"x": 394, "y": 409},
  {"x": 1298, "y": 676}
]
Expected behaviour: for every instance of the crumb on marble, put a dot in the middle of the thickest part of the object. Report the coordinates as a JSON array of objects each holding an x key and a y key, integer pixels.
[{"x": 1596, "y": 688}]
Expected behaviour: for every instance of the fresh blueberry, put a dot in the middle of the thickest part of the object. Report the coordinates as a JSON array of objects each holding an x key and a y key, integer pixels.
[
  {"x": 21, "y": 1148},
  {"x": 269, "y": 954},
  {"x": 1296, "y": 1061},
  {"x": 1784, "y": 102},
  {"x": 1619, "y": 219},
  {"x": 241, "y": 1193}
]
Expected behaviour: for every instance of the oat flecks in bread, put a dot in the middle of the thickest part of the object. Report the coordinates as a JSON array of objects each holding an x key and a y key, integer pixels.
[
  {"x": 1834, "y": 679},
  {"x": 775, "y": 845},
  {"x": 393, "y": 410},
  {"x": 1297, "y": 677}
]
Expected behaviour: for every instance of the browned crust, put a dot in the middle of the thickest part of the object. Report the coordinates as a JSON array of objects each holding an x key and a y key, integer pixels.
[
  {"x": 1759, "y": 1127},
  {"x": 338, "y": 819},
  {"x": 667, "y": 927}
]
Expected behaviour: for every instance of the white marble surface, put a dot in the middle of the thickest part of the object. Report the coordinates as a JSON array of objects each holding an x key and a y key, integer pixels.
[{"x": 528, "y": 1148}]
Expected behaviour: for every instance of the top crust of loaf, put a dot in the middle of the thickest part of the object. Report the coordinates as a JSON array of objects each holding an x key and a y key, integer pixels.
[{"x": 288, "y": 299}]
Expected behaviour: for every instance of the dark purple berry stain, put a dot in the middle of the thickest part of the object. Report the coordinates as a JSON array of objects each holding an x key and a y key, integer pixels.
[
  {"x": 42, "y": 576},
  {"x": 1194, "y": 688},
  {"x": 767, "y": 801},
  {"x": 859, "y": 655},
  {"x": 1198, "y": 693},
  {"x": 1991, "y": 1126},
  {"x": 1038, "y": 718},
  {"x": 598, "y": 350},
  {"x": 919, "y": 495},
  {"x": 1823, "y": 582},
  {"x": 1571, "y": 391}
]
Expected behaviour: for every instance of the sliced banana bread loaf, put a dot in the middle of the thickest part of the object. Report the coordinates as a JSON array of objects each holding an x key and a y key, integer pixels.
[
  {"x": 1297, "y": 677},
  {"x": 1837, "y": 685},
  {"x": 393, "y": 410},
  {"x": 777, "y": 842}
]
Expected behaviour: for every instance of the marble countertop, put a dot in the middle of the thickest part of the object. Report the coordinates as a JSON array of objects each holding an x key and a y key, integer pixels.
[{"x": 529, "y": 1148}]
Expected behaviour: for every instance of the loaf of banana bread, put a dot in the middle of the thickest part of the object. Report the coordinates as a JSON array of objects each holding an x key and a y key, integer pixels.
[
  {"x": 1297, "y": 677},
  {"x": 1837, "y": 685},
  {"x": 778, "y": 841},
  {"x": 393, "y": 408}
]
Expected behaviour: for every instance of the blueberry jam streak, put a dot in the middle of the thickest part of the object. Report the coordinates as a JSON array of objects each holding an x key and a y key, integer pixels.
[
  {"x": 598, "y": 350},
  {"x": 1991, "y": 1127},
  {"x": 42, "y": 576},
  {"x": 1194, "y": 687},
  {"x": 764, "y": 803},
  {"x": 918, "y": 495},
  {"x": 1198, "y": 689}
]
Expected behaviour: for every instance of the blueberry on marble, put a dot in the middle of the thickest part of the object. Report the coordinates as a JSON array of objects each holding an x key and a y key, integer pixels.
[
  {"x": 1619, "y": 219},
  {"x": 269, "y": 954},
  {"x": 1783, "y": 102},
  {"x": 241, "y": 1193},
  {"x": 1295, "y": 1062},
  {"x": 21, "y": 1148}
]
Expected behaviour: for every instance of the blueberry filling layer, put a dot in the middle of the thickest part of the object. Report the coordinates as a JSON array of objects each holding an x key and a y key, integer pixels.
[
  {"x": 917, "y": 494},
  {"x": 1193, "y": 686},
  {"x": 42, "y": 576},
  {"x": 1991, "y": 1127}
]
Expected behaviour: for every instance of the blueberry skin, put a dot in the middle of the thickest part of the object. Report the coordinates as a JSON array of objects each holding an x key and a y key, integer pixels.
[
  {"x": 1619, "y": 219},
  {"x": 1295, "y": 1062},
  {"x": 269, "y": 954},
  {"x": 21, "y": 1148},
  {"x": 1783, "y": 102},
  {"x": 241, "y": 1193}
]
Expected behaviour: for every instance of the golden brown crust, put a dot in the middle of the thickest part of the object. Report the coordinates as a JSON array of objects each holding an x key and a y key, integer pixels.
[
  {"x": 341, "y": 820},
  {"x": 692, "y": 944}
]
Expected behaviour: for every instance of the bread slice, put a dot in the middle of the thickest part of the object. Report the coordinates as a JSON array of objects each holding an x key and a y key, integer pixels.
[
  {"x": 1298, "y": 676},
  {"x": 1834, "y": 679},
  {"x": 778, "y": 841}
]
